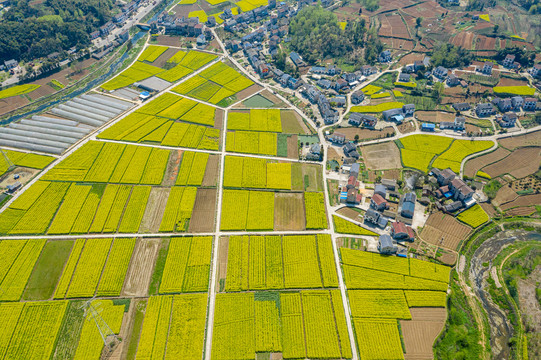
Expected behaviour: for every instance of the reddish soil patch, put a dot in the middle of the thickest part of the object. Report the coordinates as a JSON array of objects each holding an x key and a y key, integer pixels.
[
  {"x": 167, "y": 40},
  {"x": 530, "y": 139},
  {"x": 485, "y": 43},
  {"x": 411, "y": 58},
  {"x": 398, "y": 43},
  {"x": 444, "y": 230},
  {"x": 393, "y": 25},
  {"x": 521, "y": 211},
  {"x": 505, "y": 81},
  {"x": 504, "y": 195}
]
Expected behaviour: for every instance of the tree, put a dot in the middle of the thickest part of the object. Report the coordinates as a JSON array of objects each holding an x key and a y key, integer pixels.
[
  {"x": 418, "y": 21},
  {"x": 356, "y": 138},
  {"x": 496, "y": 28}
]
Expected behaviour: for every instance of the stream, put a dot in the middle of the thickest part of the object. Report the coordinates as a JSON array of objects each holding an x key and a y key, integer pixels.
[{"x": 501, "y": 329}]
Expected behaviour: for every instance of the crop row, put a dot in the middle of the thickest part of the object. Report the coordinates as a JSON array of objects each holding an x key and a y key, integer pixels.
[
  {"x": 152, "y": 52},
  {"x": 192, "y": 168},
  {"x": 171, "y": 330},
  {"x": 30, "y": 329},
  {"x": 343, "y": 226},
  {"x": 299, "y": 324},
  {"x": 187, "y": 266},
  {"x": 16, "y": 264},
  {"x": 255, "y": 120},
  {"x": 474, "y": 216},
  {"x": 314, "y": 205},
  {"x": 178, "y": 209},
  {"x": 137, "y": 72},
  {"x": 274, "y": 262},
  {"x": 251, "y": 142},
  {"x": 245, "y": 172},
  {"x": 251, "y": 210}
]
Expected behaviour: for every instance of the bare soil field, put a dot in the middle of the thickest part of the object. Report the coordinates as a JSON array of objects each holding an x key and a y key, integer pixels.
[
  {"x": 485, "y": 43},
  {"x": 289, "y": 212},
  {"x": 489, "y": 209},
  {"x": 246, "y": 93},
  {"x": 530, "y": 182},
  {"x": 172, "y": 168},
  {"x": 530, "y": 307},
  {"x": 185, "y": 9},
  {"x": 12, "y": 103},
  {"x": 141, "y": 267},
  {"x": 504, "y": 195},
  {"x": 411, "y": 58},
  {"x": 530, "y": 139},
  {"x": 390, "y": 5},
  {"x": 505, "y": 81},
  {"x": 421, "y": 331},
  {"x": 435, "y": 116},
  {"x": 521, "y": 211},
  {"x": 472, "y": 166},
  {"x": 427, "y": 10},
  {"x": 333, "y": 155},
  {"x": 154, "y": 210},
  {"x": 464, "y": 39},
  {"x": 218, "y": 119},
  {"x": 394, "y": 43},
  {"x": 203, "y": 217},
  {"x": 223, "y": 246},
  {"x": 211, "y": 172},
  {"x": 365, "y": 134},
  {"x": 448, "y": 258},
  {"x": 382, "y": 156},
  {"x": 520, "y": 163},
  {"x": 526, "y": 200},
  {"x": 350, "y": 214},
  {"x": 167, "y": 40},
  {"x": 393, "y": 25},
  {"x": 444, "y": 230},
  {"x": 292, "y": 147}
]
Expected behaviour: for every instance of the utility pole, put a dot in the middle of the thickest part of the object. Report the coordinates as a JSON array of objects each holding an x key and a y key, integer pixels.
[{"x": 110, "y": 339}]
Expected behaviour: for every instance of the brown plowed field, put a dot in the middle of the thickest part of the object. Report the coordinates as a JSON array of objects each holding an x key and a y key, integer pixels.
[
  {"x": 218, "y": 119},
  {"x": 382, "y": 156},
  {"x": 464, "y": 39},
  {"x": 435, "y": 116},
  {"x": 203, "y": 218},
  {"x": 521, "y": 211},
  {"x": 472, "y": 166},
  {"x": 365, "y": 134},
  {"x": 154, "y": 210},
  {"x": 504, "y": 195},
  {"x": 393, "y": 25},
  {"x": 211, "y": 172},
  {"x": 350, "y": 214},
  {"x": 526, "y": 200},
  {"x": 141, "y": 267},
  {"x": 485, "y": 43},
  {"x": 162, "y": 59},
  {"x": 289, "y": 212},
  {"x": 489, "y": 209},
  {"x": 505, "y": 81},
  {"x": 411, "y": 58},
  {"x": 444, "y": 230},
  {"x": 530, "y": 139},
  {"x": 402, "y": 44},
  {"x": 292, "y": 147},
  {"x": 246, "y": 93},
  {"x": 421, "y": 331},
  {"x": 521, "y": 163},
  {"x": 167, "y": 40}
]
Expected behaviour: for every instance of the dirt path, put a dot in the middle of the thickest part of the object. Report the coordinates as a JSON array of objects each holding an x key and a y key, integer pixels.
[{"x": 141, "y": 267}]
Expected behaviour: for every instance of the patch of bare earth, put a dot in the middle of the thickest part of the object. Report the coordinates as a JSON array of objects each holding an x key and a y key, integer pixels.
[
  {"x": 141, "y": 267},
  {"x": 521, "y": 163},
  {"x": 292, "y": 147},
  {"x": 289, "y": 212},
  {"x": 350, "y": 214},
  {"x": 444, "y": 230},
  {"x": 222, "y": 259},
  {"x": 474, "y": 165},
  {"x": 504, "y": 195},
  {"x": 211, "y": 172},
  {"x": 381, "y": 156},
  {"x": 172, "y": 168},
  {"x": 203, "y": 218},
  {"x": 154, "y": 210},
  {"x": 421, "y": 331},
  {"x": 530, "y": 139}
]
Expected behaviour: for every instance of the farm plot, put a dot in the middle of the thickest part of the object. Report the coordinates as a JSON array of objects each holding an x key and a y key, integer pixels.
[
  {"x": 513, "y": 142},
  {"x": 245, "y": 172},
  {"x": 137, "y": 72},
  {"x": 90, "y": 345},
  {"x": 214, "y": 84},
  {"x": 18, "y": 259},
  {"x": 169, "y": 331},
  {"x": 152, "y": 52},
  {"x": 346, "y": 227},
  {"x": 444, "y": 230},
  {"x": 306, "y": 322},
  {"x": 364, "y": 270},
  {"x": 417, "y": 151},
  {"x": 88, "y": 259},
  {"x": 255, "y": 120},
  {"x": 187, "y": 267},
  {"x": 422, "y": 330},
  {"x": 520, "y": 163},
  {"x": 243, "y": 209},
  {"x": 474, "y": 165},
  {"x": 18, "y": 90},
  {"x": 192, "y": 168},
  {"x": 381, "y": 156},
  {"x": 178, "y": 210},
  {"x": 31, "y": 328},
  {"x": 378, "y": 338},
  {"x": 275, "y": 262},
  {"x": 474, "y": 216},
  {"x": 289, "y": 213},
  {"x": 252, "y": 142},
  {"x": 17, "y": 158}
]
